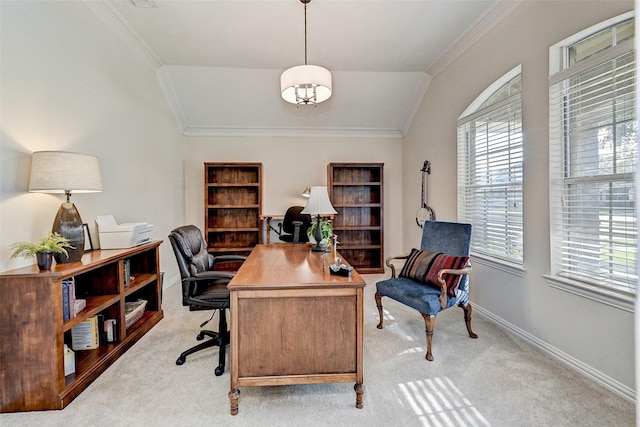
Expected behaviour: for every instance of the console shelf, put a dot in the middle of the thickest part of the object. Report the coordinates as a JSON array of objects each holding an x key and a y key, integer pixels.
[{"x": 33, "y": 332}]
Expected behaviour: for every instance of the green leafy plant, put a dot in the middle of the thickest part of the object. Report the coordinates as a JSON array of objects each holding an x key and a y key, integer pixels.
[
  {"x": 326, "y": 229},
  {"x": 51, "y": 243}
]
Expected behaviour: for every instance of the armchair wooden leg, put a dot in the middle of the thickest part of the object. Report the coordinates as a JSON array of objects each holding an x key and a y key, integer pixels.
[
  {"x": 379, "y": 304},
  {"x": 430, "y": 324},
  {"x": 467, "y": 319}
]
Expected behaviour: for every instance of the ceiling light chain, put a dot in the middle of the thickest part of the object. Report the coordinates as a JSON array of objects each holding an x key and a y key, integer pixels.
[{"x": 305, "y": 84}]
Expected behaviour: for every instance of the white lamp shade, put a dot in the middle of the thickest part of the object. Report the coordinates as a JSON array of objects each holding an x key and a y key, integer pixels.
[
  {"x": 57, "y": 171},
  {"x": 319, "y": 203},
  {"x": 305, "y": 77}
]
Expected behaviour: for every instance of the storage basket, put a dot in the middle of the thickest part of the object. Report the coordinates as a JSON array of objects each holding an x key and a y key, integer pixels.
[{"x": 133, "y": 311}]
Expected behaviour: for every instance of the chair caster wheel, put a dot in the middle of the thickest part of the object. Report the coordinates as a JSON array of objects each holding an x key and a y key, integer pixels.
[
  {"x": 219, "y": 371},
  {"x": 200, "y": 336},
  {"x": 180, "y": 361}
]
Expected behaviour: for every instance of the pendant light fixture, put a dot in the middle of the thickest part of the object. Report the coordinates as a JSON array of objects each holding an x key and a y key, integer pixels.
[{"x": 305, "y": 84}]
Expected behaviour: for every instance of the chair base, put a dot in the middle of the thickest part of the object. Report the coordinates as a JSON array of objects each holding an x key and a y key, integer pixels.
[{"x": 220, "y": 339}]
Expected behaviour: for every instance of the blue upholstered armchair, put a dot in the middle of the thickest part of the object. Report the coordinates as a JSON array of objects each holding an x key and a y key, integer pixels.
[{"x": 433, "y": 278}]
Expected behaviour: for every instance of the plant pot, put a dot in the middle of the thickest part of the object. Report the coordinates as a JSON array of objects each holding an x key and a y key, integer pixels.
[{"x": 44, "y": 260}]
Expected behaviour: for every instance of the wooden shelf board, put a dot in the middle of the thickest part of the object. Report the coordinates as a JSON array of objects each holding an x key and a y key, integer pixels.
[
  {"x": 355, "y": 183},
  {"x": 250, "y": 206},
  {"x": 95, "y": 304},
  {"x": 232, "y": 230},
  {"x": 233, "y": 184}
]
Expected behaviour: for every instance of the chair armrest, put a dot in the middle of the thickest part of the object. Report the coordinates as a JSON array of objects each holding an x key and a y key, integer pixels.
[
  {"x": 393, "y": 267},
  {"x": 190, "y": 284},
  {"x": 443, "y": 284},
  {"x": 219, "y": 259}
]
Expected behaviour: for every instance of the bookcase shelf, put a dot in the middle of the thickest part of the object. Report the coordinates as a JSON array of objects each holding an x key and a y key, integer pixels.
[
  {"x": 31, "y": 302},
  {"x": 356, "y": 192},
  {"x": 233, "y": 205}
]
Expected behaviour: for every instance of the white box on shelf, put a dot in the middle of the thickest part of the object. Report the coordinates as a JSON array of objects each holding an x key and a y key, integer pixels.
[
  {"x": 69, "y": 361},
  {"x": 80, "y": 305},
  {"x": 121, "y": 236}
]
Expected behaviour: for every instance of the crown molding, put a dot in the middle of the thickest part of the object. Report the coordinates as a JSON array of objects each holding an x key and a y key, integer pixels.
[
  {"x": 121, "y": 27},
  {"x": 172, "y": 98},
  {"x": 291, "y": 132},
  {"x": 417, "y": 101},
  {"x": 475, "y": 32}
]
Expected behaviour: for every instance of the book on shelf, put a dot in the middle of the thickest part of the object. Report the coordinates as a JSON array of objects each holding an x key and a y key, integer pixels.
[
  {"x": 102, "y": 334},
  {"x": 65, "y": 301},
  {"x": 85, "y": 335},
  {"x": 111, "y": 330},
  {"x": 127, "y": 272},
  {"x": 69, "y": 299},
  {"x": 72, "y": 297}
]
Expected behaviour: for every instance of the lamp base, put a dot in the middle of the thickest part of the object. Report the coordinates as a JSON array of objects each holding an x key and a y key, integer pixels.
[
  {"x": 317, "y": 235},
  {"x": 68, "y": 224}
]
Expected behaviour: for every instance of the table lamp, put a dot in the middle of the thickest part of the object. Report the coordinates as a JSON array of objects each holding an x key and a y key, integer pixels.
[
  {"x": 64, "y": 172},
  {"x": 319, "y": 205}
]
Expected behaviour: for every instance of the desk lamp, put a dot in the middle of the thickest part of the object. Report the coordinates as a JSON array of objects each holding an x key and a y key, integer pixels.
[
  {"x": 319, "y": 205},
  {"x": 64, "y": 172}
]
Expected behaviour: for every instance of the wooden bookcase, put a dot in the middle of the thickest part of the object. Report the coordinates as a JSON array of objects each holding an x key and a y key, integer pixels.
[
  {"x": 232, "y": 207},
  {"x": 356, "y": 192},
  {"x": 33, "y": 332}
]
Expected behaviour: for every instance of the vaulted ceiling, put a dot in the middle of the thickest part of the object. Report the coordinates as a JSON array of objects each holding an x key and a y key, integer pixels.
[{"x": 219, "y": 61}]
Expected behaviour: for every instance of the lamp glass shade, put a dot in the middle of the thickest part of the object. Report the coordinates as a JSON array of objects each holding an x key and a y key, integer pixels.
[
  {"x": 305, "y": 78},
  {"x": 319, "y": 203},
  {"x": 58, "y": 171},
  {"x": 307, "y": 192}
]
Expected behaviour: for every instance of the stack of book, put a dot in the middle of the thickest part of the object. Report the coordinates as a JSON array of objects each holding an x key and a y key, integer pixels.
[
  {"x": 71, "y": 305},
  {"x": 94, "y": 332}
]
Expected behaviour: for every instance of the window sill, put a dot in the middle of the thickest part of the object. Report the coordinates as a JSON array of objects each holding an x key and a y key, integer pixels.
[
  {"x": 499, "y": 264},
  {"x": 620, "y": 300}
]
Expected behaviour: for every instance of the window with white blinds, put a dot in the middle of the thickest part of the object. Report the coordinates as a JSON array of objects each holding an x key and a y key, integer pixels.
[
  {"x": 490, "y": 170},
  {"x": 593, "y": 158}
]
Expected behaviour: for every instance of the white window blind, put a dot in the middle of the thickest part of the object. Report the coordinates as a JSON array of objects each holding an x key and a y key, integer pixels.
[
  {"x": 593, "y": 158},
  {"x": 490, "y": 173}
]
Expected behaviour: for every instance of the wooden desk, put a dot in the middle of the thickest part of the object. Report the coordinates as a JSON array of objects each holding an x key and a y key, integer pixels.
[
  {"x": 292, "y": 322},
  {"x": 265, "y": 226}
]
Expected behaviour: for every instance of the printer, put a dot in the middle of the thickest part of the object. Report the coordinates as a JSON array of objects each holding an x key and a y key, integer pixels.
[{"x": 121, "y": 236}]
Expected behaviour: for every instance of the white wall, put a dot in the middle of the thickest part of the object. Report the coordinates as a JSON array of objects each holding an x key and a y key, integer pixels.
[
  {"x": 579, "y": 330},
  {"x": 289, "y": 165},
  {"x": 68, "y": 83}
]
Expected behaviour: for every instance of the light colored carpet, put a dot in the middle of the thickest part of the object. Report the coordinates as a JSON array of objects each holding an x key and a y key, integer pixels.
[{"x": 496, "y": 380}]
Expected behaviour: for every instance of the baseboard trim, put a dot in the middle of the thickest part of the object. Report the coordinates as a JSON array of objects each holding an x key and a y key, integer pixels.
[
  {"x": 605, "y": 381},
  {"x": 168, "y": 282}
]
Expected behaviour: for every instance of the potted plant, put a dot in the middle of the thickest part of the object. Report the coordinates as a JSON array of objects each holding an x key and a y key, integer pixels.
[
  {"x": 324, "y": 235},
  {"x": 53, "y": 243}
]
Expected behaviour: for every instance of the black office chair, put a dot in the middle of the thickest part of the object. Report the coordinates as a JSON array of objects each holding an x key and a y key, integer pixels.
[
  {"x": 294, "y": 226},
  {"x": 203, "y": 288}
]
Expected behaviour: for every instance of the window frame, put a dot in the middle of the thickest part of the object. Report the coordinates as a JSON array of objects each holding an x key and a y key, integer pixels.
[
  {"x": 477, "y": 109},
  {"x": 560, "y": 72}
]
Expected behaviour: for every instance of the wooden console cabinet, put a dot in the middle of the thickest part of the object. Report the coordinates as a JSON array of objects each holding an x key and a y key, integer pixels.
[
  {"x": 33, "y": 332},
  {"x": 356, "y": 192}
]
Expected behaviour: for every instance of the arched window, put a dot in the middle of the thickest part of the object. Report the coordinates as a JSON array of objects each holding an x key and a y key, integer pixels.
[{"x": 490, "y": 170}]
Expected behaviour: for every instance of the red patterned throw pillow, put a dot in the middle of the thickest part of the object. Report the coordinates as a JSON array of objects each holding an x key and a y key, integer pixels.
[{"x": 424, "y": 266}]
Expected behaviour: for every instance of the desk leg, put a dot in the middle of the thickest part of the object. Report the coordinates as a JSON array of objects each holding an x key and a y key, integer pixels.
[
  {"x": 234, "y": 395},
  {"x": 359, "y": 393}
]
